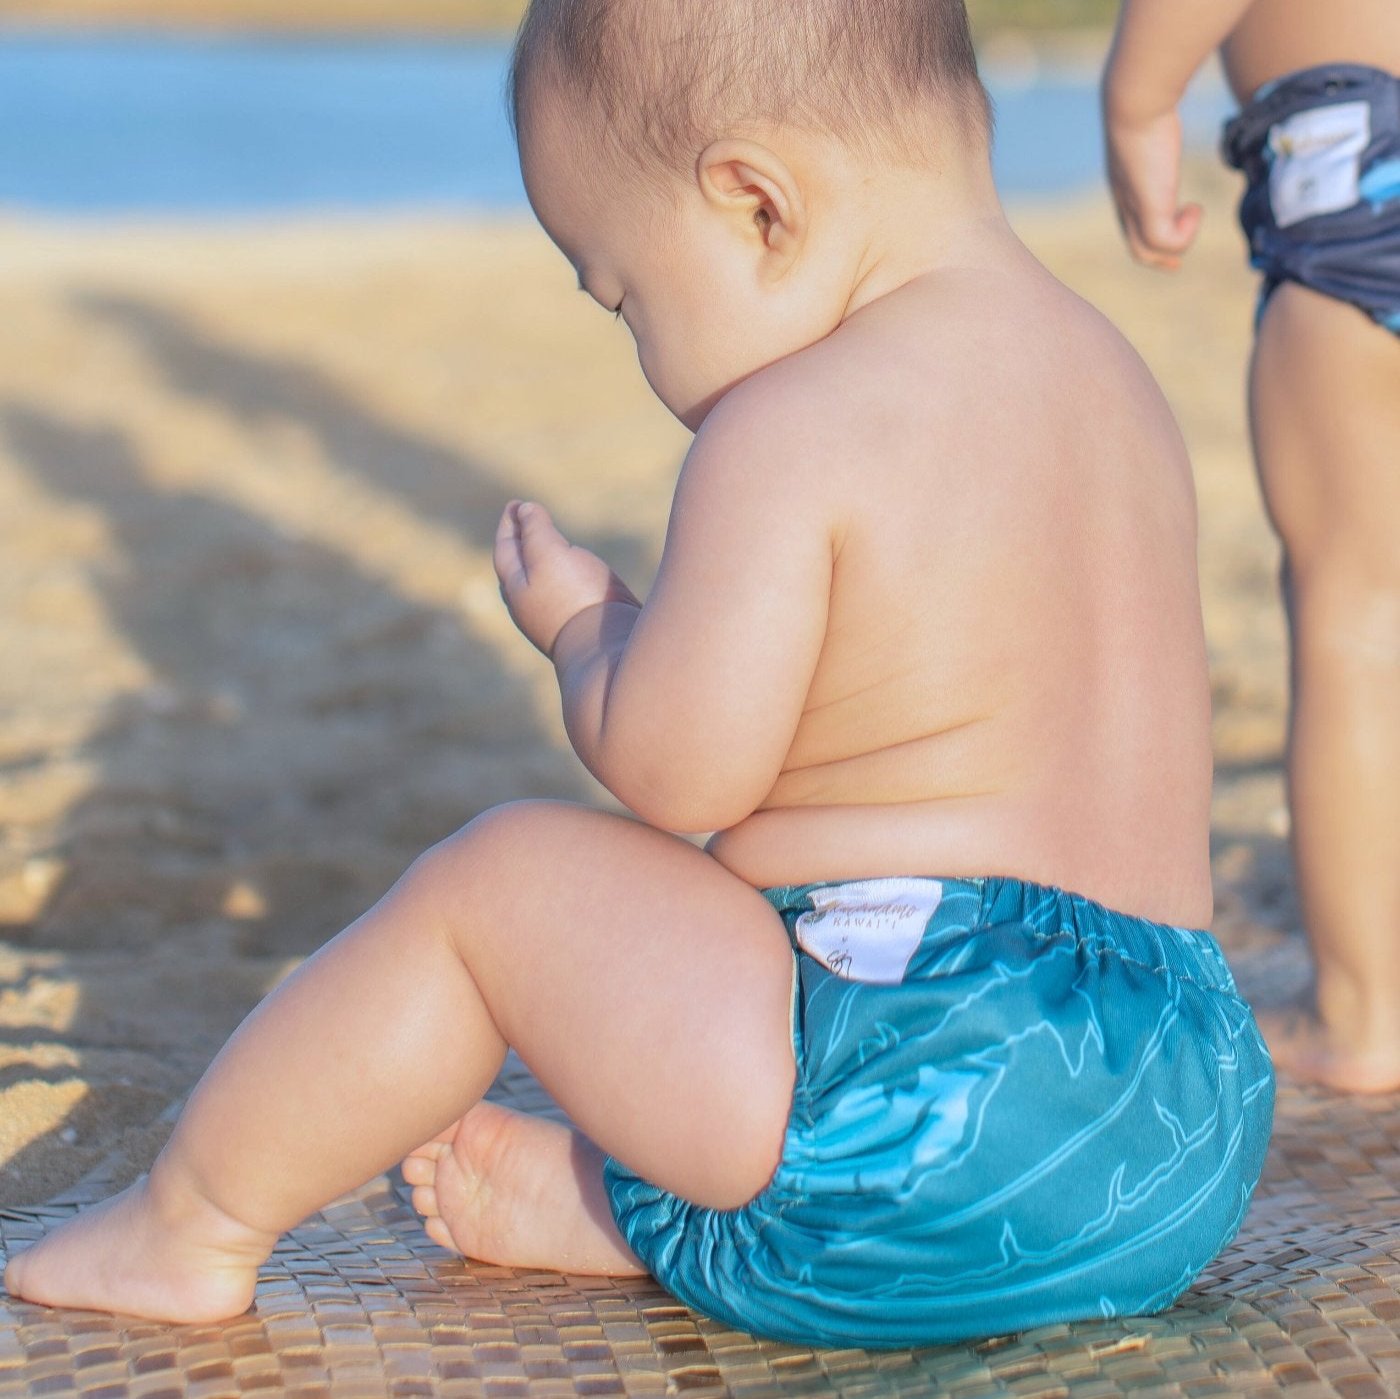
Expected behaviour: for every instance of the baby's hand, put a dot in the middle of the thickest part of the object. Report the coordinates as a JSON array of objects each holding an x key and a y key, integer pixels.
[
  {"x": 1144, "y": 171},
  {"x": 546, "y": 581}
]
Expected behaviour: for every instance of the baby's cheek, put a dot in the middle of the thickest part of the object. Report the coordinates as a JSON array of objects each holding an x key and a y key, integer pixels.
[{"x": 686, "y": 373}]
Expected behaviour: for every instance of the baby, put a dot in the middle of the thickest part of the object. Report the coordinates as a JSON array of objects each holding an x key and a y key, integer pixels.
[
  {"x": 1319, "y": 142},
  {"x": 925, "y": 649}
]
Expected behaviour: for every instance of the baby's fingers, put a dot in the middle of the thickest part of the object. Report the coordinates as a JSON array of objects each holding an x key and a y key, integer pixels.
[
  {"x": 1188, "y": 225},
  {"x": 507, "y": 556},
  {"x": 539, "y": 536},
  {"x": 1159, "y": 239},
  {"x": 1168, "y": 233}
]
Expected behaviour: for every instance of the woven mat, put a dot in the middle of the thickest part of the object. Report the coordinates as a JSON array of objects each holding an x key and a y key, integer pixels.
[{"x": 358, "y": 1302}]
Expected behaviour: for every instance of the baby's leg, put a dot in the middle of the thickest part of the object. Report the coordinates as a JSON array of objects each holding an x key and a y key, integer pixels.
[
  {"x": 647, "y": 987},
  {"x": 1326, "y": 408}
]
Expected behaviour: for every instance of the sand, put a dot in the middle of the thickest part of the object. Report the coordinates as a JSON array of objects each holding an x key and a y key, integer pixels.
[
  {"x": 254, "y": 658},
  {"x": 344, "y": 16},
  {"x": 1048, "y": 21}
]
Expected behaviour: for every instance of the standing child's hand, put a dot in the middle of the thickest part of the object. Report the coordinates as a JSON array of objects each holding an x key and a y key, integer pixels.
[
  {"x": 546, "y": 581},
  {"x": 1144, "y": 172}
]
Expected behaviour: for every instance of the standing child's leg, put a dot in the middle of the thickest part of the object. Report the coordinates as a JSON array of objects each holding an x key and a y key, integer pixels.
[
  {"x": 647, "y": 987},
  {"x": 1326, "y": 414}
]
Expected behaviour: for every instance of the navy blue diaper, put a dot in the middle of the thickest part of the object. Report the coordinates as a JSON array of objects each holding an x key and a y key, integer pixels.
[{"x": 1321, "y": 152}]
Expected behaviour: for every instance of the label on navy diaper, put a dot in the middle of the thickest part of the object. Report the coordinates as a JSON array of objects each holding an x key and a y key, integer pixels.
[
  {"x": 1316, "y": 161},
  {"x": 869, "y": 930}
]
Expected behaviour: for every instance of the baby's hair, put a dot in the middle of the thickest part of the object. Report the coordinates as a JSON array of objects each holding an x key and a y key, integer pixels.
[{"x": 668, "y": 76}]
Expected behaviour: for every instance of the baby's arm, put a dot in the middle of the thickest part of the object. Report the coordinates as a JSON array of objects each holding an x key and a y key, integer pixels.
[
  {"x": 1159, "y": 45},
  {"x": 685, "y": 709}
]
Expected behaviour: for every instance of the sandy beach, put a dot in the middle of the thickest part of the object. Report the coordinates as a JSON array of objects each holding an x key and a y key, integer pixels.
[
  {"x": 254, "y": 658},
  {"x": 1046, "y": 18},
  {"x": 347, "y": 16}
]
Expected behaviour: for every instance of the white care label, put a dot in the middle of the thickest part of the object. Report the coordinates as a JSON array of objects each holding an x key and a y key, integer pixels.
[
  {"x": 1316, "y": 166},
  {"x": 869, "y": 930}
]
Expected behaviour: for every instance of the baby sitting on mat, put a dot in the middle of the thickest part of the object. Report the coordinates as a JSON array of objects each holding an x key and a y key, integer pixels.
[{"x": 928, "y": 1042}]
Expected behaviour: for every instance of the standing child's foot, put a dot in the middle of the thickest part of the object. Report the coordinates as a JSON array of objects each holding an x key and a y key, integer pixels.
[
  {"x": 518, "y": 1191},
  {"x": 182, "y": 1261},
  {"x": 1305, "y": 1047}
]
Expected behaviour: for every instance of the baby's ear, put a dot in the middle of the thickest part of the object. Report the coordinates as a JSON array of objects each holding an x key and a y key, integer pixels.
[{"x": 747, "y": 182}]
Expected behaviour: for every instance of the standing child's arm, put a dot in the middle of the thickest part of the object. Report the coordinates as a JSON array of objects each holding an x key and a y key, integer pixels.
[{"x": 1157, "y": 49}]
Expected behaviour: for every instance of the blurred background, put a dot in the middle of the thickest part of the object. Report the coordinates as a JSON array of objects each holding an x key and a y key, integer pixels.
[{"x": 278, "y": 340}]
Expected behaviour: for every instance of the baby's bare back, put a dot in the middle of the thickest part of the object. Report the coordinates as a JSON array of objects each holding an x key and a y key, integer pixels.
[
  {"x": 1276, "y": 37},
  {"x": 1013, "y": 676}
]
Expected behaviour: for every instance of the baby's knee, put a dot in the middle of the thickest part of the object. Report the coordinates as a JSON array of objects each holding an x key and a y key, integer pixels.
[{"x": 502, "y": 845}]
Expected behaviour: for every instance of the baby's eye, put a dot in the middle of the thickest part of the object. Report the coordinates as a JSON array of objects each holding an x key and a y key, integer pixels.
[{"x": 617, "y": 310}]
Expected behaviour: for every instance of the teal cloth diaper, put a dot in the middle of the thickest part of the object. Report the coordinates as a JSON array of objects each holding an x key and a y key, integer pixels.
[{"x": 1013, "y": 1107}]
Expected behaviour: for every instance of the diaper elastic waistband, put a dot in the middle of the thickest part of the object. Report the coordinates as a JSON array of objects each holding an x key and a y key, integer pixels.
[
  {"x": 1246, "y": 135},
  {"x": 1190, "y": 954}
]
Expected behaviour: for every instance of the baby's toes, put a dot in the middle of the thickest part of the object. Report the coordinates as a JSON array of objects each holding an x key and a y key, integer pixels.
[
  {"x": 440, "y": 1234},
  {"x": 419, "y": 1169},
  {"x": 420, "y": 1166},
  {"x": 425, "y": 1201}
]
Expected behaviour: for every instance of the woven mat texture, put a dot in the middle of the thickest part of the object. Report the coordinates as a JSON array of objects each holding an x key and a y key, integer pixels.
[{"x": 358, "y": 1302}]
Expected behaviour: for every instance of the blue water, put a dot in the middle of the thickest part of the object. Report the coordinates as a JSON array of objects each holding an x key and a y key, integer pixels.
[
  {"x": 1049, "y": 131},
  {"x": 156, "y": 123}
]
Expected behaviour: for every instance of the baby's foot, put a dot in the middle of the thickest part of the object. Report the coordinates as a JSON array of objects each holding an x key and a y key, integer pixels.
[
  {"x": 523, "y": 1192},
  {"x": 1305, "y": 1047},
  {"x": 141, "y": 1257}
]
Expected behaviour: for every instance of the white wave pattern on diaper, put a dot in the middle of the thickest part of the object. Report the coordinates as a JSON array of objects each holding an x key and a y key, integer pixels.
[
  {"x": 1316, "y": 161},
  {"x": 869, "y": 930}
]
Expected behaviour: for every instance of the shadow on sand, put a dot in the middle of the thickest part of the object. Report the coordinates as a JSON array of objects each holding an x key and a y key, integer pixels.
[{"x": 306, "y": 732}]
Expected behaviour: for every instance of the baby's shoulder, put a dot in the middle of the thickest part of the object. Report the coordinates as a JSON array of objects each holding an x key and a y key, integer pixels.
[
  {"x": 880, "y": 375},
  {"x": 790, "y": 427},
  {"x": 952, "y": 387},
  {"x": 1019, "y": 361},
  {"x": 955, "y": 347}
]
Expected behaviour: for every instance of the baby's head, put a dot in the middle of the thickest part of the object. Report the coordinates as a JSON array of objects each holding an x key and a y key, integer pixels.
[{"x": 713, "y": 167}]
